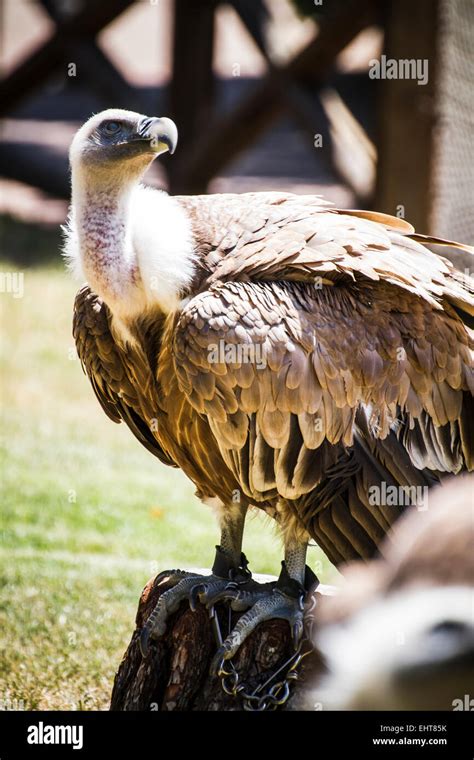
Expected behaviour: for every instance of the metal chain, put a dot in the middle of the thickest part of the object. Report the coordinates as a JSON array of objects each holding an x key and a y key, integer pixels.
[{"x": 261, "y": 698}]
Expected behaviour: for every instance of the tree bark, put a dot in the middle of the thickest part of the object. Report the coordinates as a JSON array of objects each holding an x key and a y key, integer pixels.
[{"x": 175, "y": 674}]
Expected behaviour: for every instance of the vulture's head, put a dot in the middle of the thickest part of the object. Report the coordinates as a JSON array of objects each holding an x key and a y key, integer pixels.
[
  {"x": 132, "y": 244},
  {"x": 400, "y": 634},
  {"x": 121, "y": 141}
]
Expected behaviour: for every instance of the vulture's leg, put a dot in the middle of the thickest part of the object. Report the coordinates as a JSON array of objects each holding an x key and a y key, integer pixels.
[
  {"x": 230, "y": 567},
  {"x": 284, "y": 600}
]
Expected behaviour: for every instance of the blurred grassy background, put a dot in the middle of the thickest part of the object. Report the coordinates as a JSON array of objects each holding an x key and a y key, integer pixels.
[{"x": 87, "y": 514}]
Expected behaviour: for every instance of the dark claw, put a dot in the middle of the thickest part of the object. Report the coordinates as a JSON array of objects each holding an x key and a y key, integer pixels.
[
  {"x": 297, "y": 633},
  {"x": 165, "y": 574},
  {"x": 228, "y": 593},
  {"x": 194, "y": 595},
  {"x": 144, "y": 641},
  {"x": 218, "y": 661}
]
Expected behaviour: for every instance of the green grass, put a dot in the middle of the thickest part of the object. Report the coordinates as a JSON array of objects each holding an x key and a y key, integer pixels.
[{"x": 87, "y": 514}]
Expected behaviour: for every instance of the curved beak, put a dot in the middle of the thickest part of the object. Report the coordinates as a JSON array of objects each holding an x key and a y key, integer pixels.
[{"x": 161, "y": 133}]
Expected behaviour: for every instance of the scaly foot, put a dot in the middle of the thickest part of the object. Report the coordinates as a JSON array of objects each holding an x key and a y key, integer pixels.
[
  {"x": 194, "y": 588},
  {"x": 283, "y": 600}
]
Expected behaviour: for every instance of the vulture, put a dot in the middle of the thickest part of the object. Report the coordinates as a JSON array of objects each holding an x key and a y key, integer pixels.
[
  {"x": 284, "y": 354},
  {"x": 399, "y": 635}
]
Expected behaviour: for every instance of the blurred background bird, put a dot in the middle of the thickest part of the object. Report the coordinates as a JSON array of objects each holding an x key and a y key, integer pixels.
[{"x": 399, "y": 633}]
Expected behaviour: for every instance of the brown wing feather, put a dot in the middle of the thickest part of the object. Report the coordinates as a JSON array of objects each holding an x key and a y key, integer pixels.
[
  {"x": 120, "y": 379},
  {"x": 382, "y": 333},
  {"x": 300, "y": 238},
  {"x": 322, "y": 353}
]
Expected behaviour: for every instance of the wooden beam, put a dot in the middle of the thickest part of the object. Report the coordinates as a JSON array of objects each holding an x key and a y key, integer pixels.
[
  {"x": 407, "y": 114},
  {"x": 106, "y": 80},
  {"x": 191, "y": 90},
  {"x": 30, "y": 74},
  {"x": 223, "y": 139}
]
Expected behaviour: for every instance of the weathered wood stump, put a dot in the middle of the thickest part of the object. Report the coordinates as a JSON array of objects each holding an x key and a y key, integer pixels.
[{"x": 175, "y": 675}]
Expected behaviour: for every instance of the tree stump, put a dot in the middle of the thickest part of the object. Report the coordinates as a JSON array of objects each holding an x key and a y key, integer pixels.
[{"x": 175, "y": 675}]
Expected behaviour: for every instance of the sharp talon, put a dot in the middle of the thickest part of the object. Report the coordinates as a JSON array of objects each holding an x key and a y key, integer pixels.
[
  {"x": 218, "y": 661},
  {"x": 161, "y": 576},
  {"x": 297, "y": 632},
  {"x": 194, "y": 595},
  {"x": 220, "y": 596},
  {"x": 144, "y": 641},
  {"x": 174, "y": 575}
]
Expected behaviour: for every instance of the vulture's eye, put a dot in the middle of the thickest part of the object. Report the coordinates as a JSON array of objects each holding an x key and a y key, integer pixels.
[{"x": 111, "y": 127}]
